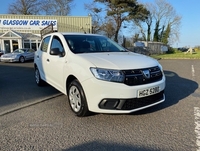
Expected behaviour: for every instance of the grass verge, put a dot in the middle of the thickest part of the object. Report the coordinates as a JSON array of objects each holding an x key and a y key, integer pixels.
[{"x": 178, "y": 55}]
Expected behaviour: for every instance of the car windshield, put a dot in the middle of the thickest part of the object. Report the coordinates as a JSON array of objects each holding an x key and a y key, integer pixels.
[
  {"x": 92, "y": 44},
  {"x": 19, "y": 51}
]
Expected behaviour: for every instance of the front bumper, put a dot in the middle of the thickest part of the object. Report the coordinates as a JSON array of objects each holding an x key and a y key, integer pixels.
[
  {"x": 9, "y": 59},
  {"x": 131, "y": 104},
  {"x": 110, "y": 97}
]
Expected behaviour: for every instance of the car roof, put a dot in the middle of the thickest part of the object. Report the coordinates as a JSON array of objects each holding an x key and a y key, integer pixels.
[
  {"x": 66, "y": 33},
  {"x": 70, "y": 33}
]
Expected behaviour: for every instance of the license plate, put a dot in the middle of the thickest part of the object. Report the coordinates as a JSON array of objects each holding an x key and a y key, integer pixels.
[{"x": 148, "y": 92}]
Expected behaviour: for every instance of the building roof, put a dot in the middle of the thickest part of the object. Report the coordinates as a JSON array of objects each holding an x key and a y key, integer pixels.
[{"x": 22, "y": 35}]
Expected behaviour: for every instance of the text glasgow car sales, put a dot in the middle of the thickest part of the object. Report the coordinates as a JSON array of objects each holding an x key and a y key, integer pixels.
[{"x": 22, "y": 22}]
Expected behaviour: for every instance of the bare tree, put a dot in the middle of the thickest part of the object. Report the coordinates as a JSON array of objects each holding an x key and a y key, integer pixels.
[
  {"x": 101, "y": 24},
  {"x": 166, "y": 19},
  {"x": 57, "y": 7},
  {"x": 109, "y": 28},
  {"x": 35, "y": 7},
  {"x": 162, "y": 24},
  {"x": 97, "y": 20},
  {"x": 25, "y": 7}
]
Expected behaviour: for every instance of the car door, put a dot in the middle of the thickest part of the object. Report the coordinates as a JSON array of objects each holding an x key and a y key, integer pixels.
[
  {"x": 30, "y": 54},
  {"x": 27, "y": 54},
  {"x": 56, "y": 64},
  {"x": 41, "y": 58}
]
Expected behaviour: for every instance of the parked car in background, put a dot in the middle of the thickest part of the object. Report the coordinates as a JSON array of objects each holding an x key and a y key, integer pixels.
[
  {"x": 1, "y": 52},
  {"x": 140, "y": 50},
  {"x": 183, "y": 49},
  {"x": 19, "y": 55}
]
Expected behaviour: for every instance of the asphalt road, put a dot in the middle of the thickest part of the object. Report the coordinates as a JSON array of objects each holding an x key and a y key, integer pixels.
[
  {"x": 51, "y": 125},
  {"x": 18, "y": 86}
]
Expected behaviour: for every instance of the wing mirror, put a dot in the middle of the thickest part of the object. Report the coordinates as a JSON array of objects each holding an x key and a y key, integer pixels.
[{"x": 56, "y": 52}]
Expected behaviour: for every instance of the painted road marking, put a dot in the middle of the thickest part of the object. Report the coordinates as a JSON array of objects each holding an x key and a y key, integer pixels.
[
  {"x": 197, "y": 126},
  {"x": 193, "y": 71}
]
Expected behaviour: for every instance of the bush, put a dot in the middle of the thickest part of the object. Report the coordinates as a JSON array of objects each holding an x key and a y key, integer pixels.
[
  {"x": 171, "y": 50},
  {"x": 197, "y": 49}
]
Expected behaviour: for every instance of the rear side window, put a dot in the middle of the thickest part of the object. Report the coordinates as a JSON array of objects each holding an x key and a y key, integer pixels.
[
  {"x": 45, "y": 43},
  {"x": 31, "y": 50}
]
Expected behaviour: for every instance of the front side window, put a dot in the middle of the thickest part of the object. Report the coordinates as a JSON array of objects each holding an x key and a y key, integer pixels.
[
  {"x": 31, "y": 50},
  {"x": 45, "y": 43},
  {"x": 20, "y": 51},
  {"x": 56, "y": 43}
]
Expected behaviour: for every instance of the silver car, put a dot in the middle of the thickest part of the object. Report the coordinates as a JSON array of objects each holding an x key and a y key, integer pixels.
[{"x": 19, "y": 55}]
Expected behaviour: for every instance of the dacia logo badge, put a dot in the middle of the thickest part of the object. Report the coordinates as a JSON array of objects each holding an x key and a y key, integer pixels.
[{"x": 146, "y": 73}]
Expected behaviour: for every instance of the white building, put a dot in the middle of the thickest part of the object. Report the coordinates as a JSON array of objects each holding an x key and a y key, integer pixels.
[{"x": 23, "y": 31}]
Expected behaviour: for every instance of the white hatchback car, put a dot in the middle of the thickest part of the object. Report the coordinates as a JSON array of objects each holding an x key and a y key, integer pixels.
[{"x": 97, "y": 74}]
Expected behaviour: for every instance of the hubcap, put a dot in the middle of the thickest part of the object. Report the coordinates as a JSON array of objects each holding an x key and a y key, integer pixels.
[
  {"x": 75, "y": 98},
  {"x": 22, "y": 59}
]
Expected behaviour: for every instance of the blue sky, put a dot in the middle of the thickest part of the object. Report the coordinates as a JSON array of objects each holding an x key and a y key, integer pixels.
[{"x": 189, "y": 10}]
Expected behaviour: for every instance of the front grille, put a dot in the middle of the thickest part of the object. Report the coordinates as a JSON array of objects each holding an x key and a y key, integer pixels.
[
  {"x": 135, "y": 103},
  {"x": 137, "y": 77}
]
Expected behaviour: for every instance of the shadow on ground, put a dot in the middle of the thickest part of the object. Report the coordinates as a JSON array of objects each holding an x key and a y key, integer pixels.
[
  {"x": 18, "y": 85},
  {"x": 105, "y": 146},
  {"x": 177, "y": 88}
]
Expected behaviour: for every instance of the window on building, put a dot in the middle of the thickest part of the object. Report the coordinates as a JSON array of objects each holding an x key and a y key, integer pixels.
[
  {"x": 27, "y": 44},
  {"x": 15, "y": 44},
  {"x": 10, "y": 34},
  {"x": 33, "y": 44},
  {"x": 39, "y": 43}
]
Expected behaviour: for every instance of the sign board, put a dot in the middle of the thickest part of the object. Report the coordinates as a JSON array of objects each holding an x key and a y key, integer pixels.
[
  {"x": 46, "y": 30},
  {"x": 139, "y": 44},
  {"x": 164, "y": 48},
  {"x": 27, "y": 24}
]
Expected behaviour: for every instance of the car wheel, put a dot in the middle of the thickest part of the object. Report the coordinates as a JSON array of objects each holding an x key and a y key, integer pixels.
[
  {"x": 77, "y": 99},
  {"x": 38, "y": 79},
  {"x": 21, "y": 59}
]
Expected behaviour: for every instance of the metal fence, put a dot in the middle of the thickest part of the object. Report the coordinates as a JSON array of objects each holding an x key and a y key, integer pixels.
[
  {"x": 155, "y": 47},
  {"x": 149, "y": 48}
]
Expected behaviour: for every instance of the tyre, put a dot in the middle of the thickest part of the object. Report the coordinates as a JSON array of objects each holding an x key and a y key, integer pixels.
[
  {"x": 21, "y": 59},
  {"x": 38, "y": 79},
  {"x": 77, "y": 99}
]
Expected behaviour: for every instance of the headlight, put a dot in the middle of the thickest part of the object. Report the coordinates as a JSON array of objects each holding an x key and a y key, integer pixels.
[
  {"x": 108, "y": 74},
  {"x": 14, "y": 56},
  {"x": 161, "y": 68},
  {"x": 159, "y": 65}
]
